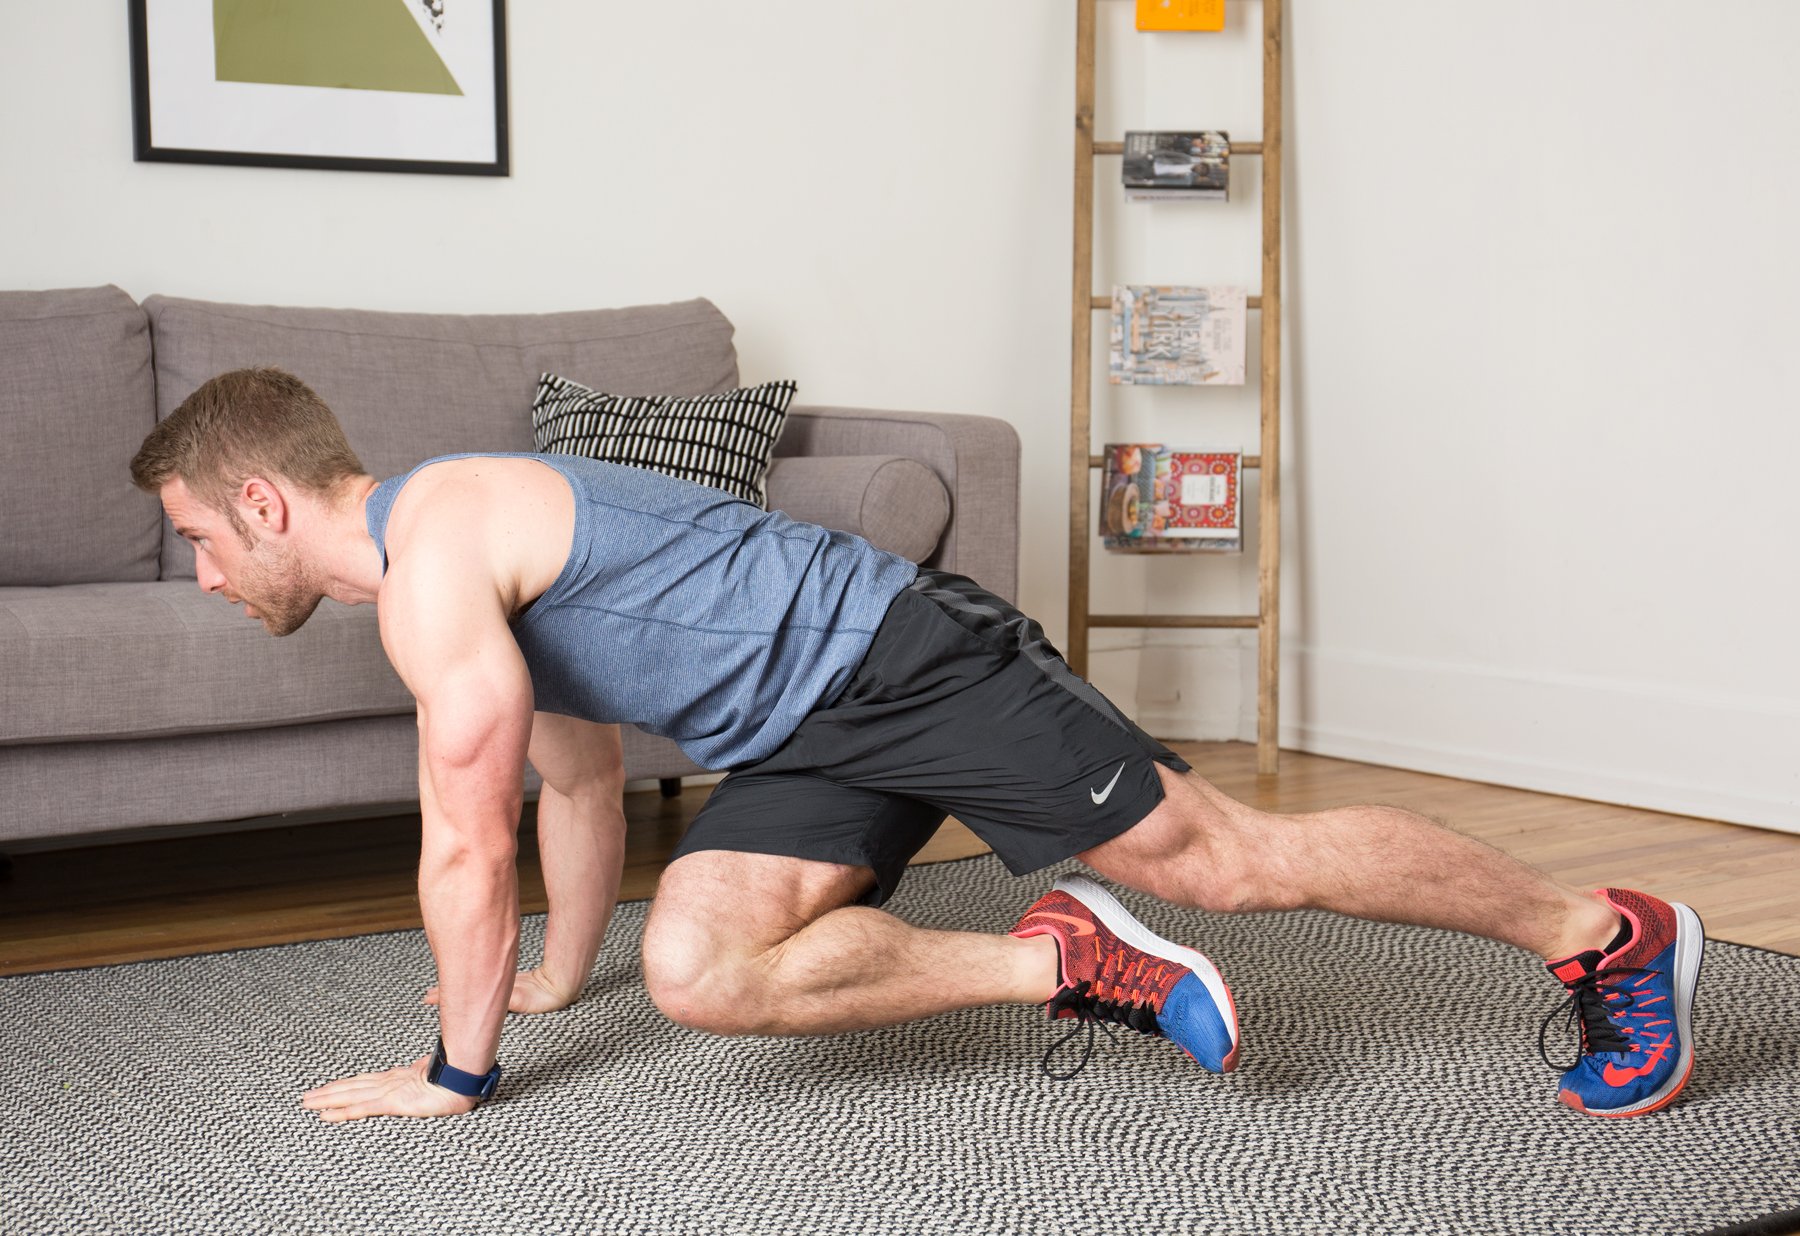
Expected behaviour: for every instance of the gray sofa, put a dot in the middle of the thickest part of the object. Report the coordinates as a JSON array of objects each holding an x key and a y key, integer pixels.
[{"x": 131, "y": 700}]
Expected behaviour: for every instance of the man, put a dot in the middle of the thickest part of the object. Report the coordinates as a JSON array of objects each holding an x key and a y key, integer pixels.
[{"x": 531, "y": 603}]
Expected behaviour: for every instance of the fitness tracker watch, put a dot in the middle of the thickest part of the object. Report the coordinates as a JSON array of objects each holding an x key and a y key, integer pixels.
[{"x": 473, "y": 1085}]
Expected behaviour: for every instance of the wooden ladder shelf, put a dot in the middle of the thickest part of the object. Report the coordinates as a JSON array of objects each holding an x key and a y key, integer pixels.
[{"x": 1083, "y": 462}]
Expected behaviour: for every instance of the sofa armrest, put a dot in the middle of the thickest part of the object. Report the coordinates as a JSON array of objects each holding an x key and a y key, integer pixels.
[{"x": 976, "y": 457}]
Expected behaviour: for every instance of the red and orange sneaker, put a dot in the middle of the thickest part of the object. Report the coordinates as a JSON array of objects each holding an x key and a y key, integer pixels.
[
  {"x": 1635, "y": 1002},
  {"x": 1114, "y": 969}
]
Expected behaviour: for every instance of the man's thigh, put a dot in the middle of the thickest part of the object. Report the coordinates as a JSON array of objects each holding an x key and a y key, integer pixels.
[
  {"x": 730, "y": 901},
  {"x": 801, "y": 816}
]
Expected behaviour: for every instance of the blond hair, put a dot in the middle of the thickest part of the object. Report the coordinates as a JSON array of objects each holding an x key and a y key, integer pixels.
[{"x": 249, "y": 422}]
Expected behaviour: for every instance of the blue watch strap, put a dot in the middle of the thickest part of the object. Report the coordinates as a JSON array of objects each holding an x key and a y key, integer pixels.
[{"x": 472, "y": 1085}]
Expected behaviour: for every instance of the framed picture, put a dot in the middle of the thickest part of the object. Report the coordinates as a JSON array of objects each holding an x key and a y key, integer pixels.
[{"x": 352, "y": 85}]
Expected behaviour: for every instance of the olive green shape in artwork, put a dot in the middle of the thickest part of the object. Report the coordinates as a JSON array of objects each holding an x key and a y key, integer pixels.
[{"x": 349, "y": 44}]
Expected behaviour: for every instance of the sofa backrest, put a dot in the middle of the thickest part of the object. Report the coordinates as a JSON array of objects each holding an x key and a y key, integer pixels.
[
  {"x": 408, "y": 386},
  {"x": 76, "y": 398}
]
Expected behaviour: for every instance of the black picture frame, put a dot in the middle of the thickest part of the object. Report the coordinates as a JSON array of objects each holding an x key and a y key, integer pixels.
[{"x": 144, "y": 151}]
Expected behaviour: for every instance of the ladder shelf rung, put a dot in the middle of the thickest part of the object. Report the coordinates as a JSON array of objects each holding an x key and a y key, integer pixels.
[
  {"x": 1249, "y": 461},
  {"x": 1105, "y": 302},
  {"x": 1237, "y": 148},
  {"x": 1147, "y": 621}
]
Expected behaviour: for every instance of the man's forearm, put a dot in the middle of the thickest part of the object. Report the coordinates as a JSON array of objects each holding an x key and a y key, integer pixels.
[
  {"x": 470, "y": 899},
  {"x": 581, "y": 840}
]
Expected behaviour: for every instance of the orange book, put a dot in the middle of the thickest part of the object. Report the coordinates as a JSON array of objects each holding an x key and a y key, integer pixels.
[{"x": 1180, "y": 14}]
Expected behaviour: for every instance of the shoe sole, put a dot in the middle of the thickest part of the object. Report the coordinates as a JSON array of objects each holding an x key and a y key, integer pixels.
[
  {"x": 1690, "y": 952},
  {"x": 1120, "y": 922}
]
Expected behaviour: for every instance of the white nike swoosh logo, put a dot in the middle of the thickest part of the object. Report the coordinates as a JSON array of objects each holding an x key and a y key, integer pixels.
[{"x": 1100, "y": 796}]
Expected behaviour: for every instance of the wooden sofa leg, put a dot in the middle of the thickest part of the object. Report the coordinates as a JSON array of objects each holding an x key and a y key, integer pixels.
[{"x": 671, "y": 787}]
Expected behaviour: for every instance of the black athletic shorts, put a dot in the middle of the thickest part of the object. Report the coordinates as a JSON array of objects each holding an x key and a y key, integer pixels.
[{"x": 961, "y": 707}]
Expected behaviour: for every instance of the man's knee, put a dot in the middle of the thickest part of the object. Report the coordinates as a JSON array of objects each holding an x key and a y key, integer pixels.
[
  {"x": 718, "y": 931},
  {"x": 1217, "y": 878},
  {"x": 1201, "y": 848},
  {"x": 693, "y": 981},
  {"x": 698, "y": 981}
]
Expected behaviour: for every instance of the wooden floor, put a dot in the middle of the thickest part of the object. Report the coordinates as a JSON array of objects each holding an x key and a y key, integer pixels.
[{"x": 104, "y": 904}]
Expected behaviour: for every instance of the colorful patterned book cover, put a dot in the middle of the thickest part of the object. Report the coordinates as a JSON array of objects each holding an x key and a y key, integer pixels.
[
  {"x": 1178, "y": 336},
  {"x": 1157, "y": 500},
  {"x": 1188, "y": 165},
  {"x": 1180, "y": 14}
]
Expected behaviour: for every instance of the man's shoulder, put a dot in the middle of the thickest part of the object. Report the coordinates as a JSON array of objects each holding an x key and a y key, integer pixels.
[
  {"x": 446, "y": 498},
  {"x": 434, "y": 512},
  {"x": 480, "y": 525},
  {"x": 433, "y": 529}
]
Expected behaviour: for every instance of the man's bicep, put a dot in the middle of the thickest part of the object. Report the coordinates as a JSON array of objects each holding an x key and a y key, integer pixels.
[{"x": 448, "y": 639}]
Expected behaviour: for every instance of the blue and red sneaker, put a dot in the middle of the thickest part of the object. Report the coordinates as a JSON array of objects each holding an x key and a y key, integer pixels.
[
  {"x": 1115, "y": 969},
  {"x": 1635, "y": 1003}
]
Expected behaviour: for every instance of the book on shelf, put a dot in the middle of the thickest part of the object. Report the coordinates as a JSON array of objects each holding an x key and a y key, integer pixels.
[
  {"x": 1177, "y": 336},
  {"x": 1156, "y": 499},
  {"x": 1180, "y": 14},
  {"x": 1170, "y": 166}
]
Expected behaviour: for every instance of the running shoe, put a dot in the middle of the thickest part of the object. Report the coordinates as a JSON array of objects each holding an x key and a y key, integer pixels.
[
  {"x": 1115, "y": 969},
  {"x": 1634, "y": 1002}
]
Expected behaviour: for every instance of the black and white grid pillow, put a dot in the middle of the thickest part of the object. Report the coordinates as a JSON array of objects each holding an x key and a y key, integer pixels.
[{"x": 720, "y": 440}]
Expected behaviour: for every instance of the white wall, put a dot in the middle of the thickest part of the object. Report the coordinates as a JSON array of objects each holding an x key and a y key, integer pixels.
[
  {"x": 1544, "y": 392},
  {"x": 1541, "y": 276}
]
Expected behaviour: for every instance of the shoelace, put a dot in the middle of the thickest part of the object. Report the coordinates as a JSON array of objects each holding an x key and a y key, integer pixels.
[
  {"x": 1091, "y": 1010},
  {"x": 1588, "y": 1002}
]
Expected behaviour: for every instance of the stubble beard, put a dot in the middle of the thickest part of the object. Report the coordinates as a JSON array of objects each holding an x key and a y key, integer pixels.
[{"x": 280, "y": 587}]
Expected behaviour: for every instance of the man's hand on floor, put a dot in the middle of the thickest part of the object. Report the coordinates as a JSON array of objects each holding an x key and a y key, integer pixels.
[
  {"x": 397, "y": 1092},
  {"x": 532, "y": 993}
]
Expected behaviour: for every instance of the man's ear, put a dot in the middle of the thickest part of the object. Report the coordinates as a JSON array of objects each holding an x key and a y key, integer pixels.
[{"x": 263, "y": 505}]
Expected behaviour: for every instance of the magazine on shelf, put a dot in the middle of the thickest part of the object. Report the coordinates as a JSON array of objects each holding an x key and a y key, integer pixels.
[
  {"x": 1178, "y": 336},
  {"x": 1193, "y": 166},
  {"x": 1156, "y": 499}
]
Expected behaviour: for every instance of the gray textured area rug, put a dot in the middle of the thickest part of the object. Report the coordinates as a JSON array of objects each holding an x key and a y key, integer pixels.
[{"x": 1390, "y": 1083}]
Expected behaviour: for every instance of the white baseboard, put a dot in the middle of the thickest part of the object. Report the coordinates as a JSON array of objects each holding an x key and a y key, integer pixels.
[{"x": 1718, "y": 756}]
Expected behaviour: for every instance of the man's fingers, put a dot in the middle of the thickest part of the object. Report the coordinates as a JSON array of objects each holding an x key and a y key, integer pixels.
[
  {"x": 335, "y": 1089},
  {"x": 431, "y": 996},
  {"x": 401, "y": 1098},
  {"x": 337, "y": 1093},
  {"x": 341, "y": 1093},
  {"x": 397, "y": 1092},
  {"x": 339, "y": 1115}
]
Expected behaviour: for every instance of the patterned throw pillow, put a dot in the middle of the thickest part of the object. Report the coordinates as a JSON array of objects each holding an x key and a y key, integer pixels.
[{"x": 720, "y": 440}]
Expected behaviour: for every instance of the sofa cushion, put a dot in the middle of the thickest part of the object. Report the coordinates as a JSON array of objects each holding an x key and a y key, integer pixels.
[
  {"x": 895, "y": 503},
  {"x": 97, "y": 661},
  {"x": 368, "y": 764},
  {"x": 76, "y": 398},
  {"x": 409, "y": 386},
  {"x": 722, "y": 440}
]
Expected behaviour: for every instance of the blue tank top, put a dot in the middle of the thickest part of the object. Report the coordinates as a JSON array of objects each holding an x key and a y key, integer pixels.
[{"x": 689, "y": 613}]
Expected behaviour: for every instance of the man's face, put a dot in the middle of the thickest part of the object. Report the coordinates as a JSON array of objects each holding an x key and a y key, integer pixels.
[{"x": 264, "y": 575}]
